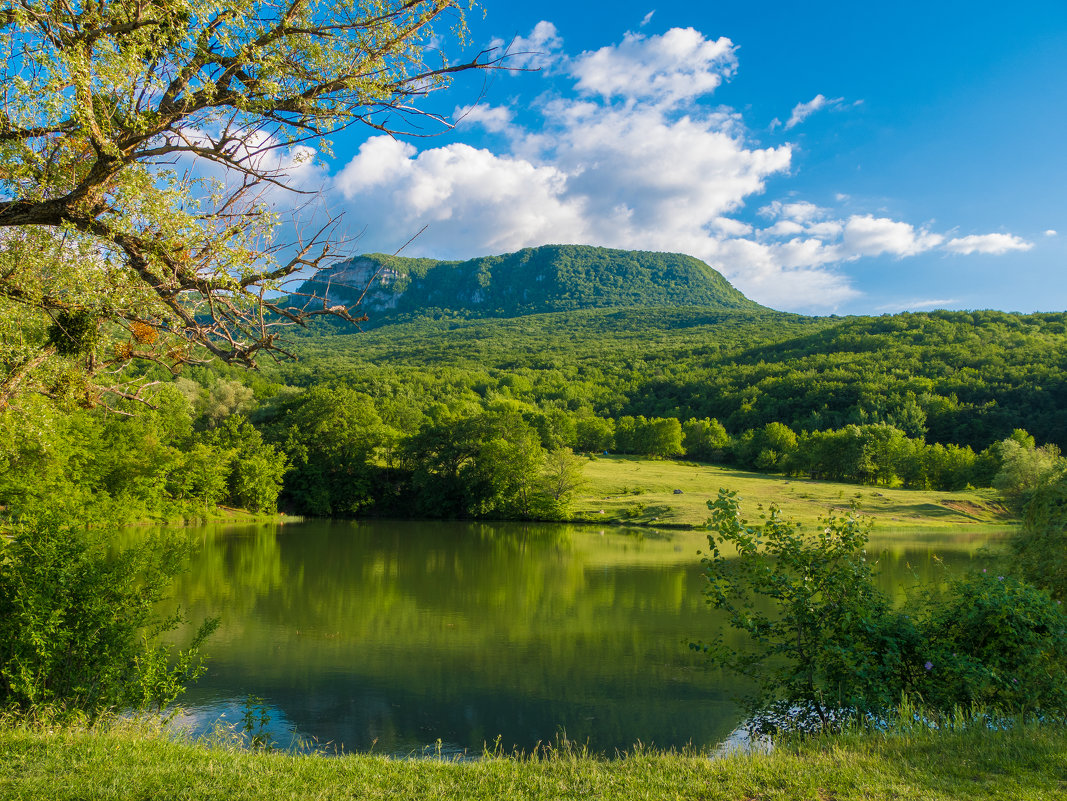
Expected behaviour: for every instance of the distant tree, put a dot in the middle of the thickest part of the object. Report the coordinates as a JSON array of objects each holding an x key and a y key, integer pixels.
[
  {"x": 704, "y": 439},
  {"x": 594, "y": 434},
  {"x": 563, "y": 474},
  {"x": 1024, "y": 467},
  {"x": 662, "y": 436},
  {"x": 330, "y": 436},
  {"x": 768, "y": 448},
  {"x": 255, "y": 469}
]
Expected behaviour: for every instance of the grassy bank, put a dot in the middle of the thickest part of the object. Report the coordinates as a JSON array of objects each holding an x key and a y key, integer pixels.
[
  {"x": 642, "y": 492},
  {"x": 138, "y": 762}
]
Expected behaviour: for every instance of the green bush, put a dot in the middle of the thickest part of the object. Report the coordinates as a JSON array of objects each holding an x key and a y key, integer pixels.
[
  {"x": 1040, "y": 546},
  {"x": 78, "y": 625},
  {"x": 997, "y": 642},
  {"x": 823, "y": 645}
]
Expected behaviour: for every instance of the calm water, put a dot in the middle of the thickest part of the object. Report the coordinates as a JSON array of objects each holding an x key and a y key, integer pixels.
[{"x": 390, "y": 636}]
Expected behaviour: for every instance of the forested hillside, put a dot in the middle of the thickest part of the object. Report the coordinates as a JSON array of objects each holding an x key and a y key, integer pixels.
[
  {"x": 447, "y": 413},
  {"x": 533, "y": 280},
  {"x": 967, "y": 378}
]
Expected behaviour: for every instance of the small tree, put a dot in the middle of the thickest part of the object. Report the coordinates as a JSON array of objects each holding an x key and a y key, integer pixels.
[
  {"x": 821, "y": 638},
  {"x": 562, "y": 474}
]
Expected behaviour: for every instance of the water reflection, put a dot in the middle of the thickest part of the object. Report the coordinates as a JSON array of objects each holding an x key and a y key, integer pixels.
[{"x": 390, "y": 636}]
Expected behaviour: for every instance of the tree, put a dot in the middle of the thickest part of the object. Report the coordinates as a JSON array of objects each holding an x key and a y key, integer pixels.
[
  {"x": 1024, "y": 467},
  {"x": 140, "y": 144},
  {"x": 563, "y": 474},
  {"x": 331, "y": 436},
  {"x": 705, "y": 439}
]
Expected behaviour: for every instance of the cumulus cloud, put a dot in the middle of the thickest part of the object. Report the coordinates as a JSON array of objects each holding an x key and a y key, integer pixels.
[
  {"x": 994, "y": 244},
  {"x": 1050, "y": 232},
  {"x": 676, "y": 66},
  {"x": 499, "y": 203},
  {"x": 628, "y": 154},
  {"x": 496, "y": 119},
  {"x": 799, "y": 211},
  {"x": 867, "y": 235}
]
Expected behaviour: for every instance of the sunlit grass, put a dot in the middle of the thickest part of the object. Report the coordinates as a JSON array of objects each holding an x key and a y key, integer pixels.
[
  {"x": 141, "y": 760},
  {"x": 642, "y": 491}
]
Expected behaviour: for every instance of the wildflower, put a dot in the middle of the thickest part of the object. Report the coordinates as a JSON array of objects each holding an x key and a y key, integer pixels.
[
  {"x": 928, "y": 665},
  {"x": 1000, "y": 578}
]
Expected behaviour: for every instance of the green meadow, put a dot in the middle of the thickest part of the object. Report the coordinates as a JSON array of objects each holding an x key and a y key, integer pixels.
[{"x": 642, "y": 492}]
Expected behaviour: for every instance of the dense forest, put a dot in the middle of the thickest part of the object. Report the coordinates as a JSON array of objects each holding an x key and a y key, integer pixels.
[{"x": 446, "y": 414}]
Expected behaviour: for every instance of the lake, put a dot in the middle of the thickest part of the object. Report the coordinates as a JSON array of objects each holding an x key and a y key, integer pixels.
[{"x": 393, "y": 637}]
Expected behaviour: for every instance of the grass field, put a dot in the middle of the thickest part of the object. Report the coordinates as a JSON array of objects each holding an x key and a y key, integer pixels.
[
  {"x": 137, "y": 761},
  {"x": 642, "y": 492}
]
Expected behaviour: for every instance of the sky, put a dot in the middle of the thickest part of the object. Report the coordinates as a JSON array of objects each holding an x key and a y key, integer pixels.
[{"x": 827, "y": 158}]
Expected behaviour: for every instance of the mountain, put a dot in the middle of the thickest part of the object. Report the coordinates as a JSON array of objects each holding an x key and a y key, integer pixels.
[{"x": 550, "y": 278}]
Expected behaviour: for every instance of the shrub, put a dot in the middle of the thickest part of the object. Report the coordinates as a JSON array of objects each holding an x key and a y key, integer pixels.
[
  {"x": 823, "y": 645},
  {"x": 998, "y": 642},
  {"x": 78, "y": 626}
]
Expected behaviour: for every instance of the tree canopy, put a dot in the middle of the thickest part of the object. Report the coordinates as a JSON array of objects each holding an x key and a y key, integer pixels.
[{"x": 140, "y": 144}]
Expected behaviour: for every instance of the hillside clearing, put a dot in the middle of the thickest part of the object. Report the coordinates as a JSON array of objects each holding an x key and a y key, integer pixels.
[{"x": 642, "y": 492}]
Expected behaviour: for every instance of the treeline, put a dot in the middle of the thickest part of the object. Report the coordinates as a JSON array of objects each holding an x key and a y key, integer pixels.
[
  {"x": 442, "y": 418},
  {"x": 182, "y": 458},
  {"x": 331, "y": 450},
  {"x": 962, "y": 378}
]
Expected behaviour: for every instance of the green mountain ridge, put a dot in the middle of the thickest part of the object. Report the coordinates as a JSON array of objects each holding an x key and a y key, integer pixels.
[{"x": 549, "y": 278}]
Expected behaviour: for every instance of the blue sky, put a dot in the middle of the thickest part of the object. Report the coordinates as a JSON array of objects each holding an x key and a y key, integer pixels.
[{"x": 825, "y": 157}]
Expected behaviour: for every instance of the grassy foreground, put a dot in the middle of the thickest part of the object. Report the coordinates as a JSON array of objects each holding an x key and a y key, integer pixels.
[
  {"x": 641, "y": 492},
  {"x": 136, "y": 761}
]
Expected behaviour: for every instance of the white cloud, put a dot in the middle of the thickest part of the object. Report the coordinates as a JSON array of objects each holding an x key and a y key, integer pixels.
[
  {"x": 538, "y": 51},
  {"x": 866, "y": 235},
  {"x": 647, "y": 18},
  {"x": 492, "y": 203},
  {"x": 987, "y": 243},
  {"x": 496, "y": 119},
  {"x": 1050, "y": 232},
  {"x": 801, "y": 111},
  {"x": 830, "y": 229},
  {"x": 757, "y": 270},
  {"x": 727, "y": 226},
  {"x": 918, "y": 305},
  {"x": 783, "y": 228},
  {"x": 676, "y": 66},
  {"x": 799, "y": 211}
]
